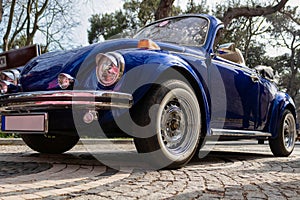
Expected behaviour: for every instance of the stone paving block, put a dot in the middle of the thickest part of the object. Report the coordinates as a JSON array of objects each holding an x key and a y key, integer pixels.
[
  {"x": 30, "y": 196},
  {"x": 12, "y": 198},
  {"x": 256, "y": 194},
  {"x": 217, "y": 176}
]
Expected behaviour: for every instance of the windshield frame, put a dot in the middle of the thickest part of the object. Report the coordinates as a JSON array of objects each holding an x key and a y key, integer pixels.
[{"x": 174, "y": 18}]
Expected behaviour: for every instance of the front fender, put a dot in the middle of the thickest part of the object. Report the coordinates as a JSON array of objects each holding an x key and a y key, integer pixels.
[
  {"x": 281, "y": 102},
  {"x": 146, "y": 68}
]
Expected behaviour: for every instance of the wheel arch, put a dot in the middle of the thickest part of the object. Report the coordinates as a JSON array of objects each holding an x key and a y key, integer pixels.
[
  {"x": 200, "y": 90},
  {"x": 281, "y": 103}
]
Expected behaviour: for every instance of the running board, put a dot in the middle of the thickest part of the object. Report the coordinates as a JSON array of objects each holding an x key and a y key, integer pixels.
[{"x": 228, "y": 132}]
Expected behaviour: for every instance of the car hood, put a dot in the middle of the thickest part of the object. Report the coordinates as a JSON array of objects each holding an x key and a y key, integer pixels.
[{"x": 41, "y": 73}]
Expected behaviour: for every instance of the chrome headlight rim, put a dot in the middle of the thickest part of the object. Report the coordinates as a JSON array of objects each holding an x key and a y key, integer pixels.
[
  {"x": 12, "y": 76},
  {"x": 4, "y": 86},
  {"x": 7, "y": 76},
  {"x": 16, "y": 73},
  {"x": 108, "y": 59}
]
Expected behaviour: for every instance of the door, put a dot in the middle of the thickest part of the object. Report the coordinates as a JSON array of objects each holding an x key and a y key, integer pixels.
[{"x": 234, "y": 93}]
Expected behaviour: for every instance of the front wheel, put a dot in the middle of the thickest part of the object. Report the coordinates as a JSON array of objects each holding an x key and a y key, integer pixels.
[
  {"x": 50, "y": 144},
  {"x": 283, "y": 145},
  {"x": 176, "y": 124}
]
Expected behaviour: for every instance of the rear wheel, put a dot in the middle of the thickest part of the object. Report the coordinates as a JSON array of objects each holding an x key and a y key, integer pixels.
[
  {"x": 50, "y": 144},
  {"x": 283, "y": 145},
  {"x": 176, "y": 124}
]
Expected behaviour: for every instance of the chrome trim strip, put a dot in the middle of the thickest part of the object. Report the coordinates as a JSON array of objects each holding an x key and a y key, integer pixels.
[
  {"x": 189, "y": 54},
  {"x": 234, "y": 65},
  {"x": 64, "y": 99},
  {"x": 227, "y": 132}
]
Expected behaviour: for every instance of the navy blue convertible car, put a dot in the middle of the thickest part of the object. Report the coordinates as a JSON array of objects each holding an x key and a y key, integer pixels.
[{"x": 170, "y": 87}]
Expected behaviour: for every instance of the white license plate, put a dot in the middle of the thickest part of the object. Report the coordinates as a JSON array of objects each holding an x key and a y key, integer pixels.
[{"x": 25, "y": 123}]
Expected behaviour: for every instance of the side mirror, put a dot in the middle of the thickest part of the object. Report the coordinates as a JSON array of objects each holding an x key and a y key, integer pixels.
[{"x": 265, "y": 71}]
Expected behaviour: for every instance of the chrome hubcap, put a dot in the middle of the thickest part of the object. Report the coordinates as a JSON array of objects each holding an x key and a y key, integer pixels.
[
  {"x": 172, "y": 125},
  {"x": 289, "y": 132}
]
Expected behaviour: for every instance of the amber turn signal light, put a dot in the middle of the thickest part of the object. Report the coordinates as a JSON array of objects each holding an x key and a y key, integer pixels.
[{"x": 148, "y": 44}]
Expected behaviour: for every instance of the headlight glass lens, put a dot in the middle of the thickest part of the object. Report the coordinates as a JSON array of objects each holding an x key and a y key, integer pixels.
[
  {"x": 7, "y": 76},
  {"x": 110, "y": 68},
  {"x": 64, "y": 80},
  {"x": 11, "y": 77}
]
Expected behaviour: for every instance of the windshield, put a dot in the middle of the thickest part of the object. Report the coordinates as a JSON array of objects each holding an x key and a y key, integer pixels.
[{"x": 187, "y": 31}]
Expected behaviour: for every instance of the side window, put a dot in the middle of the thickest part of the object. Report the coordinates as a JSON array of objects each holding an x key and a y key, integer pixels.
[
  {"x": 227, "y": 51},
  {"x": 218, "y": 38}
]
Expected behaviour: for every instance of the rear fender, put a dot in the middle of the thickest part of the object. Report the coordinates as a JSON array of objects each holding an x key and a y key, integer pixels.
[{"x": 281, "y": 102}]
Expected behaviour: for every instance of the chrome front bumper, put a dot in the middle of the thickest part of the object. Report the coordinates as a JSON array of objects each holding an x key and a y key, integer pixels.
[{"x": 50, "y": 100}]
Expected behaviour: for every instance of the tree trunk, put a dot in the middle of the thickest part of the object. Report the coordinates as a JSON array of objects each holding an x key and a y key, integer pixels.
[
  {"x": 1, "y": 10},
  {"x": 232, "y": 13},
  {"x": 164, "y": 9},
  {"x": 9, "y": 26}
]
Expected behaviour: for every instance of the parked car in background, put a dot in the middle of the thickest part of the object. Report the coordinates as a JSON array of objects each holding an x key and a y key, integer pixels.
[{"x": 169, "y": 87}]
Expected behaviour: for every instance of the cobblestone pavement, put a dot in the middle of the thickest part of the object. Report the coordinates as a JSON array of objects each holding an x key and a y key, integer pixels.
[{"x": 233, "y": 170}]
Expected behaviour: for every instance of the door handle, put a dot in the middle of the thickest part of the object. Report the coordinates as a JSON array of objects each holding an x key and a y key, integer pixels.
[{"x": 254, "y": 78}]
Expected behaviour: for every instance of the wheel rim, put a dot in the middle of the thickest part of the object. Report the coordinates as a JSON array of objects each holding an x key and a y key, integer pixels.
[
  {"x": 289, "y": 129},
  {"x": 179, "y": 124},
  {"x": 172, "y": 125}
]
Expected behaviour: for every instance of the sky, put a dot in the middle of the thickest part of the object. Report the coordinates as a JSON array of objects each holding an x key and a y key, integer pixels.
[
  {"x": 87, "y": 10},
  {"x": 104, "y": 6}
]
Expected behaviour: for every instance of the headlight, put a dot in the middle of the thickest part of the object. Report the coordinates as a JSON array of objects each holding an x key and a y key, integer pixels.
[
  {"x": 110, "y": 68},
  {"x": 11, "y": 76},
  {"x": 3, "y": 87},
  {"x": 64, "y": 80},
  {"x": 7, "y": 76},
  {"x": 7, "y": 87}
]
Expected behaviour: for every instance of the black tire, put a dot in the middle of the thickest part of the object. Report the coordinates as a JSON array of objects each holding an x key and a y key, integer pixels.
[
  {"x": 283, "y": 145},
  {"x": 175, "y": 128},
  {"x": 50, "y": 144}
]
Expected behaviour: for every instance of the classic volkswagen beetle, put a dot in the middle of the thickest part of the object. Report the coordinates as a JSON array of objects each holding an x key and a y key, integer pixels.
[{"x": 170, "y": 87}]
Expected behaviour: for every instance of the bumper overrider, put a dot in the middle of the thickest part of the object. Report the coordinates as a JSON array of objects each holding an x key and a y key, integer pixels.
[{"x": 27, "y": 112}]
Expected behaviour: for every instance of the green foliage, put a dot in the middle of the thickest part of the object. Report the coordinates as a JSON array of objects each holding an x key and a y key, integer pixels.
[
  {"x": 286, "y": 33},
  {"x": 146, "y": 11},
  {"x": 8, "y": 135},
  {"x": 257, "y": 56},
  {"x": 134, "y": 15},
  {"x": 246, "y": 33},
  {"x": 193, "y": 7},
  {"x": 289, "y": 77},
  {"x": 249, "y": 34},
  {"x": 106, "y": 25}
]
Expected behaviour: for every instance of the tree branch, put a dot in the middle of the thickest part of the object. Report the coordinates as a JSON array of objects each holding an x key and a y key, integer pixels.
[
  {"x": 18, "y": 29},
  {"x": 289, "y": 15},
  {"x": 233, "y": 13},
  {"x": 29, "y": 8},
  {"x": 9, "y": 25},
  {"x": 1, "y": 10}
]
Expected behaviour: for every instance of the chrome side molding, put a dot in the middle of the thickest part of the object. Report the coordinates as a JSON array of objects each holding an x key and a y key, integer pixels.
[{"x": 228, "y": 132}]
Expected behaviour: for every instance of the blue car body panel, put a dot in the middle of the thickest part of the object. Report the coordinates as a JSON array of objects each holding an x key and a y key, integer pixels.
[{"x": 230, "y": 98}]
